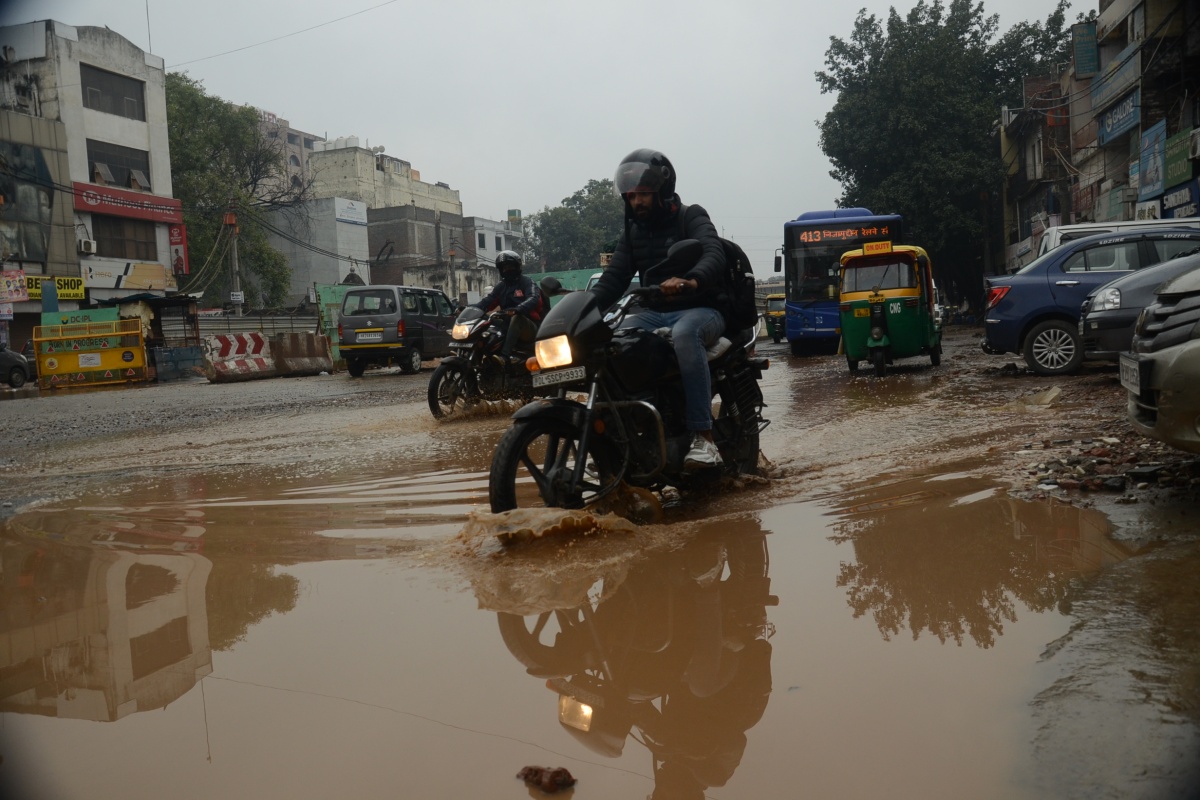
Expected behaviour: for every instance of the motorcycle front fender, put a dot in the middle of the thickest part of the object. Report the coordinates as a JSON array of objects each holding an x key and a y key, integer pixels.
[{"x": 568, "y": 411}]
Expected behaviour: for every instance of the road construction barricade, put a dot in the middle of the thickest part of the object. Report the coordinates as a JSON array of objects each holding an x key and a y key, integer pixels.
[
  {"x": 302, "y": 353},
  {"x": 238, "y": 357},
  {"x": 90, "y": 353}
]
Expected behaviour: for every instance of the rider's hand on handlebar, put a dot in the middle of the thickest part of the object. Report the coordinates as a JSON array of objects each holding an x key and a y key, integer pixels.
[{"x": 672, "y": 286}]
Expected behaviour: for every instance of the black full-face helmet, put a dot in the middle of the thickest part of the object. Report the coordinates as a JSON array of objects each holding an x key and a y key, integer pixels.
[
  {"x": 509, "y": 264},
  {"x": 645, "y": 170}
]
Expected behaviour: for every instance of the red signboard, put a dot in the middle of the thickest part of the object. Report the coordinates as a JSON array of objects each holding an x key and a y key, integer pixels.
[
  {"x": 179, "y": 256},
  {"x": 123, "y": 203}
]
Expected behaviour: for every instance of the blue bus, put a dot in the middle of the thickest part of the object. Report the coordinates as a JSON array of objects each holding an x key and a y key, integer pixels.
[{"x": 812, "y": 244}]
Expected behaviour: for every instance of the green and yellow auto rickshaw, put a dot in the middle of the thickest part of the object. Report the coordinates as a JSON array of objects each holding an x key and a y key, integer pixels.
[
  {"x": 776, "y": 319},
  {"x": 889, "y": 306}
]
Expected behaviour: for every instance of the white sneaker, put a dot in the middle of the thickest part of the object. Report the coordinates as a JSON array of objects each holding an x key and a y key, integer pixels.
[{"x": 703, "y": 454}]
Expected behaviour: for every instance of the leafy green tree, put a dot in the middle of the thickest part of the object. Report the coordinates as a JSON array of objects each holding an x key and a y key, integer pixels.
[
  {"x": 572, "y": 235},
  {"x": 913, "y": 128},
  {"x": 222, "y": 160}
]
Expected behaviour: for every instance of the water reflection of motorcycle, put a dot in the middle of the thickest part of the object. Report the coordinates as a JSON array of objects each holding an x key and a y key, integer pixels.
[
  {"x": 676, "y": 657},
  {"x": 478, "y": 369},
  {"x": 630, "y": 429}
]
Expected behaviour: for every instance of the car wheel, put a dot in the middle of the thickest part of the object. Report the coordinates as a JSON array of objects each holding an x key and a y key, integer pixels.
[
  {"x": 16, "y": 377},
  {"x": 356, "y": 367},
  {"x": 1053, "y": 348},
  {"x": 412, "y": 362}
]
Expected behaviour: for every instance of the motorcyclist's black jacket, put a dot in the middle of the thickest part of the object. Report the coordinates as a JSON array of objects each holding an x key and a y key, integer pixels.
[
  {"x": 644, "y": 244},
  {"x": 521, "y": 294}
]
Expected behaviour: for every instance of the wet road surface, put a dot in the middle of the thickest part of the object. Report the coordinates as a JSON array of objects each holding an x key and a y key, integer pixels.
[{"x": 289, "y": 605}]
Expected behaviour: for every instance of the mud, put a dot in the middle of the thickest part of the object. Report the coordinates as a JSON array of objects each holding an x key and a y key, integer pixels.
[{"x": 301, "y": 577}]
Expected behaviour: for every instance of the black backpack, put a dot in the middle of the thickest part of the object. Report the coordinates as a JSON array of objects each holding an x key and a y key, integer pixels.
[{"x": 740, "y": 307}]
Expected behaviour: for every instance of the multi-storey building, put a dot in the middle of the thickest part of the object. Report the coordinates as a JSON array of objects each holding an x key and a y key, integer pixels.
[
  {"x": 1129, "y": 100},
  {"x": 85, "y": 168}
]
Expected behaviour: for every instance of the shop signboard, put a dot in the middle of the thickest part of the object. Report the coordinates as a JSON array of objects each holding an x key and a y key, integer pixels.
[
  {"x": 1182, "y": 201},
  {"x": 1125, "y": 115},
  {"x": 68, "y": 288},
  {"x": 177, "y": 238},
  {"x": 1178, "y": 165}
]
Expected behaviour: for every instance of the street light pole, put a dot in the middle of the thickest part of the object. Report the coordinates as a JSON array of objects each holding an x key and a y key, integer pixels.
[{"x": 235, "y": 293}]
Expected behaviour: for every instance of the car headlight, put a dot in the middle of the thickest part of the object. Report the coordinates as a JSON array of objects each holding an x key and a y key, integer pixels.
[
  {"x": 1107, "y": 300},
  {"x": 553, "y": 353},
  {"x": 461, "y": 331}
]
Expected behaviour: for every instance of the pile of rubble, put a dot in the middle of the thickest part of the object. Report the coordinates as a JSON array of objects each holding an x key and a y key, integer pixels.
[{"x": 1131, "y": 465}]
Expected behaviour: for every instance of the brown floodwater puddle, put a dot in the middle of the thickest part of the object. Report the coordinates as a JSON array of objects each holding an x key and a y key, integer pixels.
[{"x": 307, "y": 633}]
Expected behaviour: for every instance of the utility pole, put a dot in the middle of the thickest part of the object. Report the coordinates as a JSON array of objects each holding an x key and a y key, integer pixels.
[
  {"x": 235, "y": 294},
  {"x": 453, "y": 280}
]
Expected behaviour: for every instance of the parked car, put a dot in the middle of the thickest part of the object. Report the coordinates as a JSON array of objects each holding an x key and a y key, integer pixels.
[
  {"x": 1035, "y": 312},
  {"x": 381, "y": 324},
  {"x": 1059, "y": 234},
  {"x": 1108, "y": 315},
  {"x": 14, "y": 367},
  {"x": 1163, "y": 371}
]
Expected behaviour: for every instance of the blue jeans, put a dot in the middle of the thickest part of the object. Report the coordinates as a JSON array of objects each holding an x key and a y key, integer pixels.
[{"x": 693, "y": 331}]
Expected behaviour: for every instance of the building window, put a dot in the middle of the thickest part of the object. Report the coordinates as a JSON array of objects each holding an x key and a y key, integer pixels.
[
  {"x": 119, "y": 237},
  {"x": 293, "y": 139},
  {"x": 112, "y": 93},
  {"x": 308, "y": 143},
  {"x": 293, "y": 161},
  {"x": 483, "y": 241},
  {"x": 115, "y": 164},
  {"x": 499, "y": 243}
]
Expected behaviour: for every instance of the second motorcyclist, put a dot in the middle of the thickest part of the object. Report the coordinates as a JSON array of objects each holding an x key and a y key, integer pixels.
[
  {"x": 517, "y": 295},
  {"x": 691, "y": 305}
]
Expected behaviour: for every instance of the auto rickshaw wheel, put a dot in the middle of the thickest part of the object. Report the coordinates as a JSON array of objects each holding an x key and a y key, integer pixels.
[
  {"x": 935, "y": 355},
  {"x": 852, "y": 363},
  {"x": 879, "y": 361}
]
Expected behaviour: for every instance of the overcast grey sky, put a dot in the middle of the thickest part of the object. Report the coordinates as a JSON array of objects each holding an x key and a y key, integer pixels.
[{"x": 519, "y": 104}]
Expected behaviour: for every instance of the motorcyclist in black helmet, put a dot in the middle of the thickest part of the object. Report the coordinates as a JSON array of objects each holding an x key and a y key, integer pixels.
[
  {"x": 519, "y": 297},
  {"x": 692, "y": 296}
]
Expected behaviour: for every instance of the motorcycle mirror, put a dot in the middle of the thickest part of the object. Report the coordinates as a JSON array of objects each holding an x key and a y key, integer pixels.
[
  {"x": 685, "y": 251},
  {"x": 550, "y": 285}
]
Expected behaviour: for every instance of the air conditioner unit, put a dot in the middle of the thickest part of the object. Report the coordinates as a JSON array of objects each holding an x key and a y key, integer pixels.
[
  {"x": 1194, "y": 144},
  {"x": 87, "y": 246}
]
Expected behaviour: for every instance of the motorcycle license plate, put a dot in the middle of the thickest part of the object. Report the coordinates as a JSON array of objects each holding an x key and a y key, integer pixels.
[
  {"x": 559, "y": 376},
  {"x": 1133, "y": 374}
]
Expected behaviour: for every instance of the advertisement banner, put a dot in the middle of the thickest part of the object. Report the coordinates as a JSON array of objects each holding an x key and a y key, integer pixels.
[
  {"x": 1153, "y": 161},
  {"x": 68, "y": 288},
  {"x": 79, "y": 317},
  {"x": 349, "y": 211},
  {"x": 6, "y": 311},
  {"x": 1083, "y": 47},
  {"x": 123, "y": 203},
  {"x": 12, "y": 286},
  {"x": 177, "y": 234},
  {"x": 1147, "y": 210},
  {"x": 131, "y": 275},
  {"x": 1178, "y": 165},
  {"x": 1182, "y": 201}
]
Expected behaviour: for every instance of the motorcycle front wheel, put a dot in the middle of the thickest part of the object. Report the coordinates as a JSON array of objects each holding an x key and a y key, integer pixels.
[
  {"x": 451, "y": 388},
  {"x": 535, "y": 461}
]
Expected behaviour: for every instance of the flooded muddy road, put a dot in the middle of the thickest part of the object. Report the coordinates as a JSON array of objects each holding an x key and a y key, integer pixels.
[{"x": 291, "y": 588}]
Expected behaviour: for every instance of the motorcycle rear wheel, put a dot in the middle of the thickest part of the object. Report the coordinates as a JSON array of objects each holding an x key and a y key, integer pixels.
[
  {"x": 543, "y": 451},
  {"x": 451, "y": 389}
]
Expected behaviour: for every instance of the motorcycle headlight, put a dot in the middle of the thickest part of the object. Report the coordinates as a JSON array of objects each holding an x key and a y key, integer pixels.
[
  {"x": 1107, "y": 300},
  {"x": 461, "y": 331},
  {"x": 553, "y": 353}
]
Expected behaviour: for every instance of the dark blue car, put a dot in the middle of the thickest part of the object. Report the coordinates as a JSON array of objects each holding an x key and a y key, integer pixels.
[{"x": 1035, "y": 312}]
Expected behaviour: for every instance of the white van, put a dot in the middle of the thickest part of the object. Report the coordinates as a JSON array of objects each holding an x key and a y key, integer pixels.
[{"x": 1058, "y": 234}]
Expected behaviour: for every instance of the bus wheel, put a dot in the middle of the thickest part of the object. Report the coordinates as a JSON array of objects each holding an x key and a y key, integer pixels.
[
  {"x": 879, "y": 361},
  {"x": 798, "y": 347}
]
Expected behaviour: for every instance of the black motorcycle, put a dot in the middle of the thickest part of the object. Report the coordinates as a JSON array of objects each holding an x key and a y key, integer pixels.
[
  {"x": 628, "y": 428},
  {"x": 478, "y": 370}
]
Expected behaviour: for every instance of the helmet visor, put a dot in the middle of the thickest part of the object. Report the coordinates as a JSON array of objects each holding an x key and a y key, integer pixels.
[{"x": 639, "y": 176}]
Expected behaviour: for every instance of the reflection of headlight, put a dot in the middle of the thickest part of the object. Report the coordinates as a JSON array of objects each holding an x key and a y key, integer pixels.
[
  {"x": 461, "y": 331},
  {"x": 1107, "y": 300},
  {"x": 574, "y": 714},
  {"x": 553, "y": 353}
]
